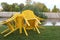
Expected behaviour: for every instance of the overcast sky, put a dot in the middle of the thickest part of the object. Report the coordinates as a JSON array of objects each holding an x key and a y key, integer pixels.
[{"x": 49, "y": 3}]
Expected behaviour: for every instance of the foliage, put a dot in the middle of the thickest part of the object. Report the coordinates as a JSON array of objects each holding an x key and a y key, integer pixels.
[
  {"x": 41, "y": 6},
  {"x": 5, "y": 6},
  {"x": 21, "y": 6},
  {"x": 40, "y": 14},
  {"x": 49, "y": 33},
  {"x": 8, "y": 7},
  {"x": 15, "y": 7},
  {"x": 55, "y": 9}
]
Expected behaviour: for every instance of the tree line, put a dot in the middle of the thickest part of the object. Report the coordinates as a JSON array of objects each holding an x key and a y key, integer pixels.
[{"x": 34, "y": 6}]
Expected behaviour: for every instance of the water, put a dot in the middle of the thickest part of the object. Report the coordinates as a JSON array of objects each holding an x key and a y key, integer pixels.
[
  {"x": 57, "y": 24},
  {"x": 50, "y": 24},
  {"x": 2, "y": 19},
  {"x": 46, "y": 24}
]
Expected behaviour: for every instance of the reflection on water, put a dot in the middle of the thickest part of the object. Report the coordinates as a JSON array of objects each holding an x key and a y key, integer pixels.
[
  {"x": 50, "y": 24},
  {"x": 2, "y": 19},
  {"x": 46, "y": 23},
  {"x": 57, "y": 24}
]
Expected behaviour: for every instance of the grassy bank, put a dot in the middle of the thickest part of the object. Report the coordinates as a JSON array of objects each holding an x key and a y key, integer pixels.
[{"x": 49, "y": 33}]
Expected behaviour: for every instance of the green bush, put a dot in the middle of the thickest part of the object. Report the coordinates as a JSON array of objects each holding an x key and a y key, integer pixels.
[{"x": 41, "y": 15}]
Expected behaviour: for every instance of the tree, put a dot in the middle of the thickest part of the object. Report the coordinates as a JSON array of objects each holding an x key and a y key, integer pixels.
[
  {"x": 15, "y": 7},
  {"x": 45, "y": 9},
  {"x": 5, "y": 6},
  {"x": 21, "y": 6},
  {"x": 41, "y": 6},
  {"x": 55, "y": 9},
  {"x": 8, "y": 7}
]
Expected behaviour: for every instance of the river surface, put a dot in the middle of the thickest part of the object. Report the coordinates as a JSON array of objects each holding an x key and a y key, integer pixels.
[
  {"x": 50, "y": 24},
  {"x": 46, "y": 24},
  {"x": 2, "y": 19}
]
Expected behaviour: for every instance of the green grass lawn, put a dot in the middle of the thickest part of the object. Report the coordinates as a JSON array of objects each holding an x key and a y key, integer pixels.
[{"x": 49, "y": 33}]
